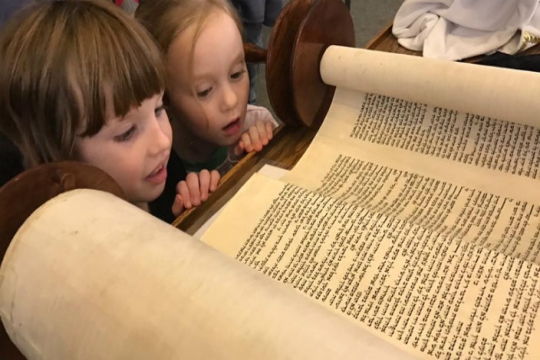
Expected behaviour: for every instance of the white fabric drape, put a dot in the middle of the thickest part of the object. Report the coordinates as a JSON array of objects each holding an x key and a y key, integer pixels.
[{"x": 458, "y": 29}]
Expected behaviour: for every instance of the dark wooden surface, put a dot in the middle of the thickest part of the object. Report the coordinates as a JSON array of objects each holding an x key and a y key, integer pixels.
[
  {"x": 385, "y": 41},
  {"x": 279, "y": 57}
]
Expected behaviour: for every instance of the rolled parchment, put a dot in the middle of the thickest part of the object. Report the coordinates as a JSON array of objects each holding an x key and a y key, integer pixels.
[{"x": 89, "y": 276}]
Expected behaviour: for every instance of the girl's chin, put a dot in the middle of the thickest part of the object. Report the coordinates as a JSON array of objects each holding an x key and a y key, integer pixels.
[
  {"x": 229, "y": 141},
  {"x": 220, "y": 141}
]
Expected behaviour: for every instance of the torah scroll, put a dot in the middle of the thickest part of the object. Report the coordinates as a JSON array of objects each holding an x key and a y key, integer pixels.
[{"x": 89, "y": 276}]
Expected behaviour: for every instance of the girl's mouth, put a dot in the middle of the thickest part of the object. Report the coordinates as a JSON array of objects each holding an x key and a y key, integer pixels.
[
  {"x": 158, "y": 176},
  {"x": 232, "y": 128}
]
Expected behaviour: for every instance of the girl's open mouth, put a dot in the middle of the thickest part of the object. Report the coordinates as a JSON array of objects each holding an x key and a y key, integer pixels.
[
  {"x": 158, "y": 176},
  {"x": 232, "y": 128}
]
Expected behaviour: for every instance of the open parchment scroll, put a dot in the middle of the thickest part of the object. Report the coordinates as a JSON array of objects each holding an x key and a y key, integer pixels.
[{"x": 415, "y": 211}]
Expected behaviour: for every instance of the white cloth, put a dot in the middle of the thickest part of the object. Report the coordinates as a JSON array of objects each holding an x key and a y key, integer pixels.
[
  {"x": 255, "y": 113},
  {"x": 458, "y": 29}
]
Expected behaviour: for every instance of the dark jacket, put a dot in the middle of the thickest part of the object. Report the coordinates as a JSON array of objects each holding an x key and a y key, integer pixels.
[{"x": 258, "y": 11}]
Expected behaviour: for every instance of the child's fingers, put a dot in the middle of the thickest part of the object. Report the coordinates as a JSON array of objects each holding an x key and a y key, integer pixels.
[
  {"x": 255, "y": 139},
  {"x": 239, "y": 148},
  {"x": 183, "y": 191},
  {"x": 246, "y": 139},
  {"x": 204, "y": 180},
  {"x": 178, "y": 205},
  {"x": 214, "y": 180},
  {"x": 269, "y": 130},
  {"x": 193, "y": 186},
  {"x": 263, "y": 137}
]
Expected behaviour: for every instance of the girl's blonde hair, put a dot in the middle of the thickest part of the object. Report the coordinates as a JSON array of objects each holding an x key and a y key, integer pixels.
[
  {"x": 65, "y": 65},
  {"x": 166, "y": 19}
]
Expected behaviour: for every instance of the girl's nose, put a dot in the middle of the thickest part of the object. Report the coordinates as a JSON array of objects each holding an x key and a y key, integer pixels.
[
  {"x": 161, "y": 138},
  {"x": 229, "y": 98}
]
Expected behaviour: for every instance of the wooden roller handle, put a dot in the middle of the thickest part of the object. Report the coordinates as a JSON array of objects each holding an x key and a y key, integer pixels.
[
  {"x": 254, "y": 53},
  {"x": 21, "y": 196}
]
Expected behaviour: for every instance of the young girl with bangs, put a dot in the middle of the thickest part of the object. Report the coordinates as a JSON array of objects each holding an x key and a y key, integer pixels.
[
  {"x": 91, "y": 90},
  {"x": 207, "y": 82}
]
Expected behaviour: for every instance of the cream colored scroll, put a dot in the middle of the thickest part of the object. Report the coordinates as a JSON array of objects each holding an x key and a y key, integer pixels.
[
  {"x": 499, "y": 93},
  {"x": 89, "y": 276}
]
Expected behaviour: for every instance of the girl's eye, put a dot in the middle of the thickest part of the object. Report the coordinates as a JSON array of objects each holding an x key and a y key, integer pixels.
[
  {"x": 159, "y": 110},
  {"x": 237, "y": 74},
  {"x": 126, "y": 135},
  {"x": 204, "y": 93}
]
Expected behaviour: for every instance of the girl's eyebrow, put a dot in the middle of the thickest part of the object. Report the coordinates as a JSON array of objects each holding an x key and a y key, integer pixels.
[
  {"x": 240, "y": 57},
  {"x": 201, "y": 76}
]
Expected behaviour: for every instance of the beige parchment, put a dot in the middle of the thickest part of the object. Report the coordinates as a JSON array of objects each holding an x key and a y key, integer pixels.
[{"x": 415, "y": 211}]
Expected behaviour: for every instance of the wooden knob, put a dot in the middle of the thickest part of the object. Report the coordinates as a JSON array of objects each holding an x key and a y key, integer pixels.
[
  {"x": 303, "y": 31},
  {"x": 328, "y": 22},
  {"x": 254, "y": 53}
]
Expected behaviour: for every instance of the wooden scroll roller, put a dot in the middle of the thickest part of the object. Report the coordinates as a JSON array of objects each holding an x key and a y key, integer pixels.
[
  {"x": 303, "y": 31},
  {"x": 20, "y": 197},
  {"x": 87, "y": 275}
]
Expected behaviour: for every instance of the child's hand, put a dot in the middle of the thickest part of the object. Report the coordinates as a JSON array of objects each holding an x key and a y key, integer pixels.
[
  {"x": 260, "y": 133},
  {"x": 194, "y": 190},
  {"x": 255, "y": 138}
]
